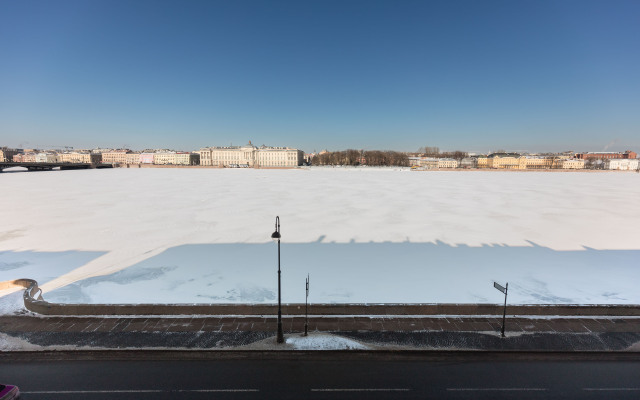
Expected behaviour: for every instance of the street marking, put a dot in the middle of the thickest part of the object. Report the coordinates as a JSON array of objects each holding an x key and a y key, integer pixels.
[
  {"x": 496, "y": 389},
  {"x": 90, "y": 391},
  {"x": 361, "y": 390},
  {"x": 217, "y": 390},
  {"x": 138, "y": 391},
  {"x": 594, "y": 389}
]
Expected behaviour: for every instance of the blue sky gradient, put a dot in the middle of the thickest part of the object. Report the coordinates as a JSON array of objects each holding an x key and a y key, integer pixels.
[{"x": 470, "y": 75}]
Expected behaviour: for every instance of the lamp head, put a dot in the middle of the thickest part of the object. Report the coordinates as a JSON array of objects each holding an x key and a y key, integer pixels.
[{"x": 275, "y": 236}]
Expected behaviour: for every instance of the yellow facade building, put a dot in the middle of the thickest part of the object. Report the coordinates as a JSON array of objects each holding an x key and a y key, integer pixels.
[
  {"x": 572, "y": 163},
  {"x": 483, "y": 162},
  {"x": 115, "y": 157},
  {"x": 532, "y": 162},
  {"x": 80, "y": 158},
  {"x": 506, "y": 161}
]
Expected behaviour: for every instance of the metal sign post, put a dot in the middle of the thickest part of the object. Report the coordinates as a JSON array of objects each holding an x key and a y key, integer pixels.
[
  {"x": 504, "y": 312},
  {"x": 306, "y": 310}
]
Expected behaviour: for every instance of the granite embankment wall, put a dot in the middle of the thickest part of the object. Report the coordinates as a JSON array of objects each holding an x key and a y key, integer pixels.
[{"x": 34, "y": 302}]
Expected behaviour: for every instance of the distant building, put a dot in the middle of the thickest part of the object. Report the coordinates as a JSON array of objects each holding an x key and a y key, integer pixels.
[
  {"x": 251, "y": 156},
  {"x": 423, "y": 162},
  {"x": 483, "y": 162},
  {"x": 77, "y": 157},
  {"x": 6, "y": 154},
  {"x": 538, "y": 162},
  {"x": 608, "y": 155},
  {"x": 24, "y": 157},
  {"x": 146, "y": 158},
  {"x": 447, "y": 163},
  {"x": 100, "y": 151},
  {"x": 469, "y": 162},
  {"x": 278, "y": 157},
  {"x": 115, "y": 156},
  {"x": 571, "y": 163},
  {"x": 164, "y": 158},
  {"x": 47, "y": 157},
  {"x": 133, "y": 158},
  {"x": 621, "y": 164},
  {"x": 506, "y": 161},
  {"x": 187, "y": 158}
]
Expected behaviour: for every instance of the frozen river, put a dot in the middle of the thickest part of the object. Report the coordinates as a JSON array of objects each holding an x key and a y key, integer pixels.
[{"x": 364, "y": 235}]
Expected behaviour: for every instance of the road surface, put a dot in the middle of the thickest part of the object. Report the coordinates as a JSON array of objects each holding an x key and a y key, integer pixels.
[{"x": 300, "y": 376}]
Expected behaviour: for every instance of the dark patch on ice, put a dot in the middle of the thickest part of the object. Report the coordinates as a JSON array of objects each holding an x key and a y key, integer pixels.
[
  {"x": 129, "y": 275},
  {"x": 541, "y": 292},
  {"x": 7, "y": 266},
  {"x": 42, "y": 266},
  {"x": 480, "y": 299},
  {"x": 613, "y": 296},
  {"x": 249, "y": 294}
]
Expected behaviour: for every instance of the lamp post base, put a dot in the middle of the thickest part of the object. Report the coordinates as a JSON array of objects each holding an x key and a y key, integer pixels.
[{"x": 280, "y": 338}]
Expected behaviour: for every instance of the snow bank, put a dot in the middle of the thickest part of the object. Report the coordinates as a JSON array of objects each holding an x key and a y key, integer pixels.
[{"x": 319, "y": 341}]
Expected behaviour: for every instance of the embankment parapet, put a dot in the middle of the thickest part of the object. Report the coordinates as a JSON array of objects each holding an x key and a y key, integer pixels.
[{"x": 34, "y": 302}]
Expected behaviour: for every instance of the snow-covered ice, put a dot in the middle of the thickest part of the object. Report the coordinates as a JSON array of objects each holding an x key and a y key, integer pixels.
[{"x": 364, "y": 235}]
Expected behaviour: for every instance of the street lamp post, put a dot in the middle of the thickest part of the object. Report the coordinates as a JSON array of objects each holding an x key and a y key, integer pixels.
[
  {"x": 306, "y": 310},
  {"x": 276, "y": 237}
]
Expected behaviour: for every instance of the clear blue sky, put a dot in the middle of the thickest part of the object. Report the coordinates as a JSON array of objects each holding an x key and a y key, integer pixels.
[{"x": 470, "y": 75}]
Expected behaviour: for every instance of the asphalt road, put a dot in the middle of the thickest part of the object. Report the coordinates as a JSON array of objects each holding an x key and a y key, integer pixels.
[{"x": 301, "y": 377}]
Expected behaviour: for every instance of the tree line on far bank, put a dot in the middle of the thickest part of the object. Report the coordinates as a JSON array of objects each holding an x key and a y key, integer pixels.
[
  {"x": 350, "y": 157},
  {"x": 379, "y": 158}
]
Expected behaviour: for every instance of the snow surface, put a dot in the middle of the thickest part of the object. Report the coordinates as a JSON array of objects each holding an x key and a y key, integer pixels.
[
  {"x": 319, "y": 341},
  {"x": 364, "y": 235}
]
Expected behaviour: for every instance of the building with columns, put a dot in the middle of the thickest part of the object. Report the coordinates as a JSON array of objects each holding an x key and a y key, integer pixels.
[{"x": 250, "y": 156}]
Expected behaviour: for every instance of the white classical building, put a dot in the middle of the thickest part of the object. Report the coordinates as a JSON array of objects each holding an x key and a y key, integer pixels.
[
  {"x": 469, "y": 162},
  {"x": 621, "y": 164},
  {"x": 447, "y": 163},
  {"x": 423, "y": 162},
  {"x": 570, "y": 163},
  {"x": 249, "y": 156},
  {"x": 47, "y": 157}
]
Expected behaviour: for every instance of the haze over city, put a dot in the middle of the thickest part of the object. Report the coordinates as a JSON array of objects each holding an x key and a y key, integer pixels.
[{"x": 476, "y": 76}]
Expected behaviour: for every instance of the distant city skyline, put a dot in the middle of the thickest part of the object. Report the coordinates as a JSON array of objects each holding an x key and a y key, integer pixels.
[{"x": 535, "y": 76}]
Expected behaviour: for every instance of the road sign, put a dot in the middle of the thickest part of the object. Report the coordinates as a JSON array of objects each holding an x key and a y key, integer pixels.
[{"x": 499, "y": 287}]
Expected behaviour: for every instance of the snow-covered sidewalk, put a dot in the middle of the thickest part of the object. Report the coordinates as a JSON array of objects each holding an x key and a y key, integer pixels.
[{"x": 325, "y": 333}]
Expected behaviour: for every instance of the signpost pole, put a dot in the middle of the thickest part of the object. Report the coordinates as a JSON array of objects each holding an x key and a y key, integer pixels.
[{"x": 504, "y": 312}]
